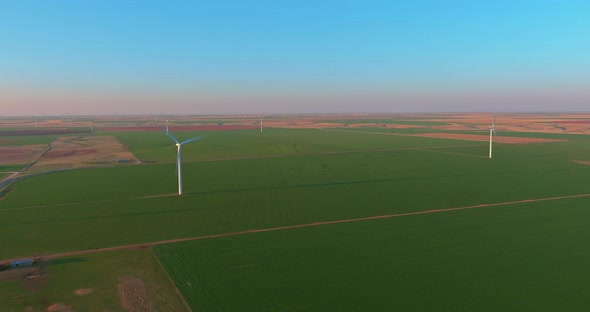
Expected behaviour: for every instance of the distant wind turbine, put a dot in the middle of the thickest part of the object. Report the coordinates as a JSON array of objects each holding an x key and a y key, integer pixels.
[
  {"x": 492, "y": 131},
  {"x": 167, "y": 126},
  {"x": 261, "y": 122},
  {"x": 179, "y": 146}
]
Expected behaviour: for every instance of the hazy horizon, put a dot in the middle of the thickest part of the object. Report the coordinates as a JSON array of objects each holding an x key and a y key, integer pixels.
[{"x": 233, "y": 57}]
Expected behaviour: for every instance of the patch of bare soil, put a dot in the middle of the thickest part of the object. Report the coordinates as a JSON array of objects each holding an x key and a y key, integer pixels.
[
  {"x": 581, "y": 162},
  {"x": 73, "y": 152},
  {"x": 20, "y": 154},
  {"x": 35, "y": 284},
  {"x": 84, "y": 151},
  {"x": 59, "y": 307},
  {"x": 133, "y": 294},
  {"x": 83, "y": 291}
]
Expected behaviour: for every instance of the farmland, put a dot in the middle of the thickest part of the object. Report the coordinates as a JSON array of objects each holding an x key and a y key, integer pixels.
[
  {"x": 290, "y": 182},
  {"x": 502, "y": 259},
  {"x": 157, "y": 147},
  {"x": 104, "y": 207}
]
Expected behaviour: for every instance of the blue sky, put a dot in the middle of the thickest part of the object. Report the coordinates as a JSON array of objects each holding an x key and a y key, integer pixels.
[{"x": 293, "y": 56}]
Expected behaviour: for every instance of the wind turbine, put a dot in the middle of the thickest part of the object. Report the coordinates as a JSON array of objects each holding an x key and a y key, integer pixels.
[
  {"x": 178, "y": 147},
  {"x": 167, "y": 126},
  {"x": 261, "y": 122},
  {"x": 492, "y": 131}
]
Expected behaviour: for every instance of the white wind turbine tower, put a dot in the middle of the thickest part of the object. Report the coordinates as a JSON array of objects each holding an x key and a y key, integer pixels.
[
  {"x": 179, "y": 146},
  {"x": 167, "y": 126},
  {"x": 261, "y": 122},
  {"x": 492, "y": 131}
]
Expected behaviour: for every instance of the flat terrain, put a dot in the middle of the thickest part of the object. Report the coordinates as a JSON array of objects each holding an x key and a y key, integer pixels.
[
  {"x": 486, "y": 138},
  {"x": 11, "y": 155},
  {"x": 129, "y": 280},
  {"x": 95, "y": 208},
  {"x": 83, "y": 151},
  {"x": 365, "y": 216},
  {"x": 506, "y": 258},
  {"x": 219, "y": 145}
]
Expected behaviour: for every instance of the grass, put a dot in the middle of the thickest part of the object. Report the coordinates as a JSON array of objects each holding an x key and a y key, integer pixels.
[
  {"x": 157, "y": 147},
  {"x": 513, "y": 258},
  {"x": 101, "y": 272},
  {"x": 10, "y": 168},
  {"x": 92, "y": 208}
]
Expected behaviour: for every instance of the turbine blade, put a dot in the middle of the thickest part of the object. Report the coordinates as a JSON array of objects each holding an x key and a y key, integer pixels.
[
  {"x": 494, "y": 131},
  {"x": 493, "y": 124},
  {"x": 191, "y": 140},
  {"x": 172, "y": 137}
]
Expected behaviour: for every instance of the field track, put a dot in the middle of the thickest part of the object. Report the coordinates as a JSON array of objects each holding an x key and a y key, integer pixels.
[{"x": 297, "y": 226}]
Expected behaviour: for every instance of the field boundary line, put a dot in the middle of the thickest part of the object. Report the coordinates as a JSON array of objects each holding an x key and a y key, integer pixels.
[
  {"x": 188, "y": 308},
  {"x": 296, "y": 226}
]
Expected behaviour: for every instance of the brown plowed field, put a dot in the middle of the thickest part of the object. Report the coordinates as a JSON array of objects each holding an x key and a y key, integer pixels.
[
  {"x": 19, "y": 155},
  {"x": 83, "y": 151},
  {"x": 477, "y": 137},
  {"x": 74, "y": 152},
  {"x": 177, "y": 128}
]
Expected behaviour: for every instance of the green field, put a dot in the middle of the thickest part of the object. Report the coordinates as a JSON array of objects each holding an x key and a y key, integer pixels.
[
  {"x": 95, "y": 208},
  {"x": 243, "y": 180},
  {"x": 158, "y": 147},
  {"x": 526, "y": 257},
  {"x": 10, "y": 168},
  {"x": 103, "y": 273}
]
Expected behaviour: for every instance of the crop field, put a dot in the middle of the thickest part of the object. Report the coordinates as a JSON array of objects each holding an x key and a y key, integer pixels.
[
  {"x": 510, "y": 258},
  {"x": 157, "y": 147},
  {"x": 10, "y": 168},
  {"x": 109, "y": 281},
  {"x": 95, "y": 208},
  {"x": 240, "y": 181}
]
